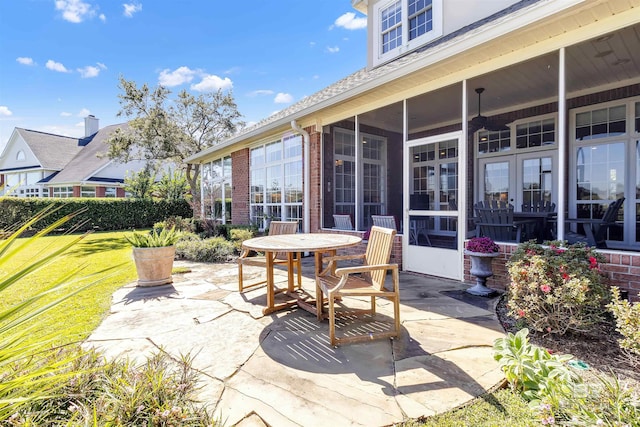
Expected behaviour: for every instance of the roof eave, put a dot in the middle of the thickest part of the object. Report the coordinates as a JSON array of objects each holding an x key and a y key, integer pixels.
[{"x": 455, "y": 47}]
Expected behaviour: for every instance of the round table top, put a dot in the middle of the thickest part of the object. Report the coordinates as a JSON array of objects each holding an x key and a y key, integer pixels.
[{"x": 301, "y": 242}]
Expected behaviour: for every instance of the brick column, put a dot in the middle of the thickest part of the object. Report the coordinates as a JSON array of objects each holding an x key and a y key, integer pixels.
[{"x": 240, "y": 187}]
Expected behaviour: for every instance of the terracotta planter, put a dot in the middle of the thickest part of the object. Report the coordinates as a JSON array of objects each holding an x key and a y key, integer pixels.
[
  {"x": 154, "y": 265},
  {"x": 482, "y": 269}
]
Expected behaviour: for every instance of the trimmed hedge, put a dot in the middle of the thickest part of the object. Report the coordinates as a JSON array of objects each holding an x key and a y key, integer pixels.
[{"x": 101, "y": 214}]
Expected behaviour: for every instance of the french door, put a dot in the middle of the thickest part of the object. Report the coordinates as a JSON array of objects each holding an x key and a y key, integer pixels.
[{"x": 519, "y": 178}]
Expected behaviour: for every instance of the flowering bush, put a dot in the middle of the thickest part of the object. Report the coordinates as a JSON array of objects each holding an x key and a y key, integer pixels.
[
  {"x": 556, "y": 288},
  {"x": 482, "y": 245},
  {"x": 627, "y": 317}
]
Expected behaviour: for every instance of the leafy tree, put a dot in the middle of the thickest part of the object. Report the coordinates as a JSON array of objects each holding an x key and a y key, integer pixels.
[
  {"x": 140, "y": 184},
  {"x": 172, "y": 186},
  {"x": 161, "y": 128}
]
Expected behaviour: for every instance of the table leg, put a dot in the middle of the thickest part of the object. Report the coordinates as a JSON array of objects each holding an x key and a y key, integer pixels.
[
  {"x": 271, "y": 299},
  {"x": 290, "y": 285}
]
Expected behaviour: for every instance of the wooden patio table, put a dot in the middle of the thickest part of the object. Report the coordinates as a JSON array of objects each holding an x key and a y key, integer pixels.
[{"x": 319, "y": 243}]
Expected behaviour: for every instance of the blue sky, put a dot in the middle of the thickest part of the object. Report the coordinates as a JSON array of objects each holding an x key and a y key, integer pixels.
[{"x": 61, "y": 59}]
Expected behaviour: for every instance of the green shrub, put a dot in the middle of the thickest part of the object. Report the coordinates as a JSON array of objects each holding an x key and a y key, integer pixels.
[
  {"x": 532, "y": 371},
  {"x": 627, "y": 317},
  {"x": 160, "y": 392},
  {"x": 154, "y": 239},
  {"x": 215, "y": 249},
  {"x": 555, "y": 289},
  {"x": 99, "y": 213},
  {"x": 186, "y": 225},
  {"x": 239, "y": 235}
]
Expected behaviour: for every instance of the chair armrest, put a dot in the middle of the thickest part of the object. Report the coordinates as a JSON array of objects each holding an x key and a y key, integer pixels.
[
  {"x": 344, "y": 271},
  {"x": 342, "y": 257}
]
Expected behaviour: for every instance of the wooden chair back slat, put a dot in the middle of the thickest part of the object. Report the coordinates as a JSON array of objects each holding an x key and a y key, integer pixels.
[
  {"x": 342, "y": 222},
  {"x": 385, "y": 221},
  {"x": 539, "y": 206},
  {"x": 378, "y": 251}
]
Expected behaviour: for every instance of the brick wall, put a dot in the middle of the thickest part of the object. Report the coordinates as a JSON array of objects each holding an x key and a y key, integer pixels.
[
  {"x": 240, "y": 190},
  {"x": 621, "y": 268}
]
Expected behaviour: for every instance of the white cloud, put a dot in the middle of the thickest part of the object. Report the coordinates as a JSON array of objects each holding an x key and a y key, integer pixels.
[
  {"x": 102, "y": 17},
  {"x": 312, "y": 44},
  {"x": 211, "y": 83},
  {"x": 283, "y": 98},
  {"x": 56, "y": 66},
  {"x": 260, "y": 92},
  {"x": 334, "y": 49},
  {"x": 4, "y": 111},
  {"x": 177, "y": 77},
  {"x": 131, "y": 8},
  {"x": 74, "y": 10},
  {"x": 88, "y": 71},
  {"x": 25, "y": 60},
  {"x": 349, "y": 21},
  {"x": 232, "y": 70},
  {"x": 83, "y": 113},
  {"x": 65, "y": 114},
  {"x": 101, "y": 65}
]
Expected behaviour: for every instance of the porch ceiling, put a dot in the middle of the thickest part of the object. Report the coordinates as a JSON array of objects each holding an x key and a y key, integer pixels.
[{"x": 603, "y": 61}]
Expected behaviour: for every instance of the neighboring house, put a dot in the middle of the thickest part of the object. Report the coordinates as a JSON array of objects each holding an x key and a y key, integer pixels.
[
  {"x": 39, "y": 164},
  {"x": 460, "y": 102}
]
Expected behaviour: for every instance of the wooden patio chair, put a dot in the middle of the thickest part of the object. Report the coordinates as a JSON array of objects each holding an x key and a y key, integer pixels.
[
  {"x": 595, "y": 230},
  {"x": 497, "y": 223},
  {"x": 342, "y": 222},
  {"x": 385, "y": 221},
  {"x": 366, "y": 280},
  {"x": 275, "y": 228}
]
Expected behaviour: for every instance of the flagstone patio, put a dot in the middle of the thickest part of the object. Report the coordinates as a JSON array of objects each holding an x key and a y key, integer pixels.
[{"x": 279, "y": 370}]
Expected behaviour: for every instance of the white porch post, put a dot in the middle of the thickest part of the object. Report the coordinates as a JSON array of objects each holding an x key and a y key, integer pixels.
[
  {"x": 562, "y": 143},
  {"x": 463, "y": 159},
  {"x": 359, "y": 198}
]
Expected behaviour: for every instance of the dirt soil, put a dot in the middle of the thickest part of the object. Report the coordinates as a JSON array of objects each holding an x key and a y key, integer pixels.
[{"x": 599, "y": 350}]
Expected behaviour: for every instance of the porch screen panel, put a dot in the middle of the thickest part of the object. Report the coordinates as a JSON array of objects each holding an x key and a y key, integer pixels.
[
  {"x": 345, "y": 173},
  {"x": 600, "y": 180},
  {"x": 637, "y": 189}
]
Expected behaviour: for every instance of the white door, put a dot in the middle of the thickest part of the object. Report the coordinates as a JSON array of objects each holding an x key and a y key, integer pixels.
[
  {"x": 518, "y": 179},
  {"x": 431, "y": 239}
]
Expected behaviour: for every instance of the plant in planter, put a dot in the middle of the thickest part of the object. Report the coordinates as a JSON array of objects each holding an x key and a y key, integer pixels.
[
  {"x": 557, "y": 288},
  {"x": 153, "y": 254},
  {"x": 482, "y": 251}
]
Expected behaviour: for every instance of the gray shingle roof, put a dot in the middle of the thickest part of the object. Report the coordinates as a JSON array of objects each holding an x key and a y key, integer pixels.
[
  {"x": 87, "y": 162},
  {"x": 53, "y": 151}
]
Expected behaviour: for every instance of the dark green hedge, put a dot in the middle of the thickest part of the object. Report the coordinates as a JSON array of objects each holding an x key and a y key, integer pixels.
[{"x": 101, "y": 214}]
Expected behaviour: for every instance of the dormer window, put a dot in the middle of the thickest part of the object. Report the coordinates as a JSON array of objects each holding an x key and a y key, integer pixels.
[
  {"x": 404, "y": 25},
  {"x": 20, "y": 157}
]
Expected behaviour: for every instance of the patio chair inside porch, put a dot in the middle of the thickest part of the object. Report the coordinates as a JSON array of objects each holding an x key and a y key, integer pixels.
[
  {"x": 342, "y": 222},
  {"x": 594, "y": 231},
  {"x": 367, "y": 280},
  {"x": 497, "y": 222},
  {"x": 275, "y": 228},
  {"x": 385, "y": 221}
]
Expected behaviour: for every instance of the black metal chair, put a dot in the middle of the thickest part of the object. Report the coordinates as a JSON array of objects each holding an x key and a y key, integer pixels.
[
  {"x": 594, "y": 230},
  {"x": 543, "y": 227},
  {"x": 497, "y": 222}
]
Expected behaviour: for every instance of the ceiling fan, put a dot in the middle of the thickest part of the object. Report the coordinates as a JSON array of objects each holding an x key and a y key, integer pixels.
[{"x": 483, "y": 122}]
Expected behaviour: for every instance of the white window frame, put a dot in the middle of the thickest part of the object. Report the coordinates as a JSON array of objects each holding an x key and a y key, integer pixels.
[
  {"x": 288, "y": 210},
  {"x": 406, "y": 45}
]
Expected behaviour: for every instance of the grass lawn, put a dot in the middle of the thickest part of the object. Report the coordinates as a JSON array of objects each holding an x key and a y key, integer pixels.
[{"x": 76, "y": 318}]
